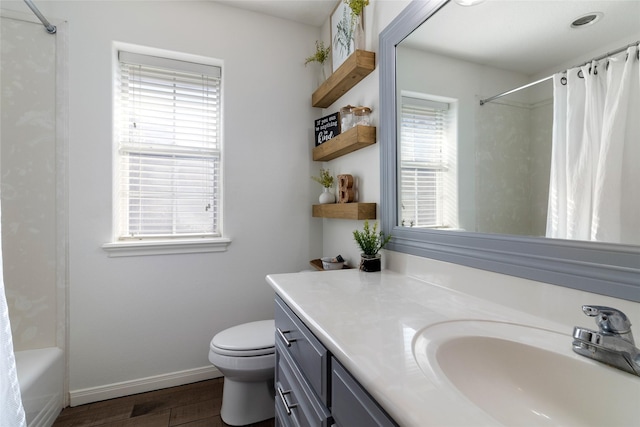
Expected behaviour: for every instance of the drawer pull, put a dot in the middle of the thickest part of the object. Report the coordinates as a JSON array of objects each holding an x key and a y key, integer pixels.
[
  {"x": 282, "y": 395},
  {"x": 286, "y": 341}
]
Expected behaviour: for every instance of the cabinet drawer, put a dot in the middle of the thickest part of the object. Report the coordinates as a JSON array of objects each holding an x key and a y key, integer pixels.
[
  {"x": 352, "y": 405},
  {"x": 304, "y": 348},
  {"x": 281, "y": 419},
  {"x": 297, "y": 405}
]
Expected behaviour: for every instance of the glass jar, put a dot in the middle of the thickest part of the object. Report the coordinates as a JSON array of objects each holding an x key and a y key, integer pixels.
[
  {"x": 361, "y": 116},
  {"x": 346, "y": 118}
]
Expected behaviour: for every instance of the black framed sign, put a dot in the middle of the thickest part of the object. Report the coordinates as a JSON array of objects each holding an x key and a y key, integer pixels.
[{"x": 327, "y": 127}]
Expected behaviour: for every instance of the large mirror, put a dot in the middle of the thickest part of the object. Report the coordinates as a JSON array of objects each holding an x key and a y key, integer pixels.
[{"x": 481, "y": 197}]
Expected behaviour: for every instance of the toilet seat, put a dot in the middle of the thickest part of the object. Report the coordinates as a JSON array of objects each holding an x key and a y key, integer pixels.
[{"x": 249, "y": 339}]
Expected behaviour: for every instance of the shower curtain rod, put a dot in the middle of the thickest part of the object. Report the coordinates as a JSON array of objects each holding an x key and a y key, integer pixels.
[
  {"x": 509, "y": 92},
  {"x": 51, "y": 29}
]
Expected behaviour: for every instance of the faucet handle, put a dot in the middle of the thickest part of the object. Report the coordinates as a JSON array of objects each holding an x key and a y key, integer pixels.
[{"x": 608, "y": 319}]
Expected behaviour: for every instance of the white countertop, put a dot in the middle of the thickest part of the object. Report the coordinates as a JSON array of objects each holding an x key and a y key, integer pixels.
[{"x": 368, "y": 321}]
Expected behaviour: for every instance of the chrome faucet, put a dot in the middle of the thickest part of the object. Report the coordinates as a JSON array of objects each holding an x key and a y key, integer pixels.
[{"x": 612, "y": 344}]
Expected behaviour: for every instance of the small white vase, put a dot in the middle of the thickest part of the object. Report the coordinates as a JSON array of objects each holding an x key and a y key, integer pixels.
[{"x": 327, "y": 197}]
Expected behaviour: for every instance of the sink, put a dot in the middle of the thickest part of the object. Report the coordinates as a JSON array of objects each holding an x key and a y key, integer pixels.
[{"x": 521, "y": 375}]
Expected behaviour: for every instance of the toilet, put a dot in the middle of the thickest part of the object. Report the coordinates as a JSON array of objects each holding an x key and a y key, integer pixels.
[{"x": 245, "y": 354}]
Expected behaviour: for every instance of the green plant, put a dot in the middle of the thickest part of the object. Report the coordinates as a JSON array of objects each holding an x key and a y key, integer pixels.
[
  {"x": 321, "y": 55},
  {"x": 356, "y": 6},
  {"x": 325, "y": 179},
  {"x": 370, "y": 240}
]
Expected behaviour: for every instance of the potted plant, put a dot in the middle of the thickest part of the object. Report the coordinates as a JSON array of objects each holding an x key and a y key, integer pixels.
[
  {"x": 326, "y": 180},
  {"x": 370, "y": 242},
  {"x": 321, "y": 56}
]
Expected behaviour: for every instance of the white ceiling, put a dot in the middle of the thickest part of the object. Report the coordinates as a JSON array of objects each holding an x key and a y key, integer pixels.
[
  {"x": 311, "y": 12},
  {"x": 522, "y": 35},
  {"x": 528, "y": 35}
]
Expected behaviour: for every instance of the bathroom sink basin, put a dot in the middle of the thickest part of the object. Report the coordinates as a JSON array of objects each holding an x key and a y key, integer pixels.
[{"x": 522, "y": 376}]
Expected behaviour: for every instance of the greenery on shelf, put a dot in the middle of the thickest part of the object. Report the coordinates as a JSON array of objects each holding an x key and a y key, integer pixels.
[
  {"x": 356, "y": 6},
  {"x": 321, "y": 55},
  {"x": 370, "y": 240},
  {"x": 325, "y": 179}
]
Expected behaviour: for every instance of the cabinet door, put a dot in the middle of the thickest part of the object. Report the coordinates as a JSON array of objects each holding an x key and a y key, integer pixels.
[
  {"x": 297, "y": 404},
  {"x": 304, "y": 348},
  {"x": 351, "y": 404}
]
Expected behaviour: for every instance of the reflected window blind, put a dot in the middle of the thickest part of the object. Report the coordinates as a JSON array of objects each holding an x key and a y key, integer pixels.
[
  {"x": 168, "y": 135},
  {"x": 421, "y": 162}
]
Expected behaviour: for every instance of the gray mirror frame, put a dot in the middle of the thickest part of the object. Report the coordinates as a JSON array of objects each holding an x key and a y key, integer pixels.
[{"x": 607, "y": 269}]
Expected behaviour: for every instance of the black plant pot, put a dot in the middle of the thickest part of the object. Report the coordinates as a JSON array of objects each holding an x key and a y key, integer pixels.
[{"x": 370, "y": 263}]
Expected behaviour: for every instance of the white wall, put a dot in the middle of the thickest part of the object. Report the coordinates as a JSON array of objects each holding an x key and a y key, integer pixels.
[
  {"x": 363, "y": 164},
  {"x": 138, "y": 317}
]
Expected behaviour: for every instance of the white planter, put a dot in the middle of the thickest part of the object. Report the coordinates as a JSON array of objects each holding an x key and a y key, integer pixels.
[{"x": 327, "y": 197}]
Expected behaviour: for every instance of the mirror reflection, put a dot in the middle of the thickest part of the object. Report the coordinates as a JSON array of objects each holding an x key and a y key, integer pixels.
[{"x": 557, "y": 156}]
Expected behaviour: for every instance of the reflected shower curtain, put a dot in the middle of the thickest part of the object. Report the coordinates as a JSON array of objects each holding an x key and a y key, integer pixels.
[
  {"x": 594, "y": 189},
  {"x": 11, "y": 410}
]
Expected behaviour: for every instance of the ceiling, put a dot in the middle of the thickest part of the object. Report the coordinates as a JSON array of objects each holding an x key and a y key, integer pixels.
[
  {"x": 311, "y": 12},
  {"x": 527, "y": 36},
  {"x": 522, "y": 35}
]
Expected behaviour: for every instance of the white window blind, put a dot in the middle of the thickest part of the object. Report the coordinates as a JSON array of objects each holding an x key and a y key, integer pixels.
[
  {"x": 422, "y": 162},
  {"x": 169, "y": 150}
]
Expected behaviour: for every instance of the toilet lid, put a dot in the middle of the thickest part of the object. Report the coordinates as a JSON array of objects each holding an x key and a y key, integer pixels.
[{"x": 255, "y": 338}]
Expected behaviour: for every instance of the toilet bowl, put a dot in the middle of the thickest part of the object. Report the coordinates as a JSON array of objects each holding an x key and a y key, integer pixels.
[{"x": 245, "y": 354}]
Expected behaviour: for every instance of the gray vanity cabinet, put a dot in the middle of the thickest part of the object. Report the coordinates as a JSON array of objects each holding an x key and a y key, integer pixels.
[
  {"x": 301, "y": 377},
  {"x": 296, "y": 403},
  {"x": 352, "y": 405},
  {"x": 312, "y": 388}
]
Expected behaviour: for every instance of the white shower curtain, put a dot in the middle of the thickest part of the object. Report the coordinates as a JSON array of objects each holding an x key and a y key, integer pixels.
[
  {"x": 11, "y": 410},
  {"x": 594, "y": 191}
]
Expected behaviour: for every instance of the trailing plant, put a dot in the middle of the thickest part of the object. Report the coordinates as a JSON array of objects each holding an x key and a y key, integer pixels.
[
  {"x": 325, "y": 179},
  {"x": 321, "y": 55},
  {"x": 370, "y": 240},
  {"x": 356, "y": 6}
]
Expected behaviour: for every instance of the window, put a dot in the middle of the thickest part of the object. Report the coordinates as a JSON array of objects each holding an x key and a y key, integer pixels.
[
  {"x": 168, "y": 140},
  {"x": 427, "y": 164}
]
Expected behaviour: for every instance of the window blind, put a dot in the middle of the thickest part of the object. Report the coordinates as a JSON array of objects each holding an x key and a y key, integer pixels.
[
  {"x": 169, "y": 150},
  {"x": 422, "y": 162}
]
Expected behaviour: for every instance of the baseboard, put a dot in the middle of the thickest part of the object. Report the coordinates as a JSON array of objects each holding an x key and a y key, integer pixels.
[
  {"x": 126, "y": 388},
  {"x": 48, "y": 413}
]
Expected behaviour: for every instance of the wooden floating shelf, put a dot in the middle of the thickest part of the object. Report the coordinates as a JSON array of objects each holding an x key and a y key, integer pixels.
[
  {"x": 354, "y": 139},
  {"x": 355, "y": 68},
  {"x": 345, "y": 210}
]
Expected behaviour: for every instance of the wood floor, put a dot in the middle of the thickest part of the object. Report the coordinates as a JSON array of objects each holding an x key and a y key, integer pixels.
[{"x": 192, "y": 405}]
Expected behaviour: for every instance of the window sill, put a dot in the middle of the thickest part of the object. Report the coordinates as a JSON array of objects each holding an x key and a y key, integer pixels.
[{"x": 166, "y": 247}]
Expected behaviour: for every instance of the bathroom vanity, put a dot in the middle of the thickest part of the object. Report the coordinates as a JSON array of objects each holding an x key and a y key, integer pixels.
[
  {"x": 365, "y": 349},
  {"x": 312, "y": 387}
]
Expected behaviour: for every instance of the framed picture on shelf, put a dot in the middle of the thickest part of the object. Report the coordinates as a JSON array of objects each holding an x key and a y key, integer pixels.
[{"x": 342, "y": 35}]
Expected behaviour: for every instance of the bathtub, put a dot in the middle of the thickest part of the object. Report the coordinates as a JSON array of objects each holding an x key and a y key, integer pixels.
[{"x": 41, "y": 378}]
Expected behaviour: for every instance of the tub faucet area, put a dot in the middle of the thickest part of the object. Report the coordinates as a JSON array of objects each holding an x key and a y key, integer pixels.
[{"x": 612, "y": 344}]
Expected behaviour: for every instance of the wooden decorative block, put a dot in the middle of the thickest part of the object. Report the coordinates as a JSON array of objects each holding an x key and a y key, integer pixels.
[{"x": 346, "y": 193}]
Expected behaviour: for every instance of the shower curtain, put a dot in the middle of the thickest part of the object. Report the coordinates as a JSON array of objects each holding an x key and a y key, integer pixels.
[
  {"x": 11, "y": 410},
  {"x": 594, "y": 189}
]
